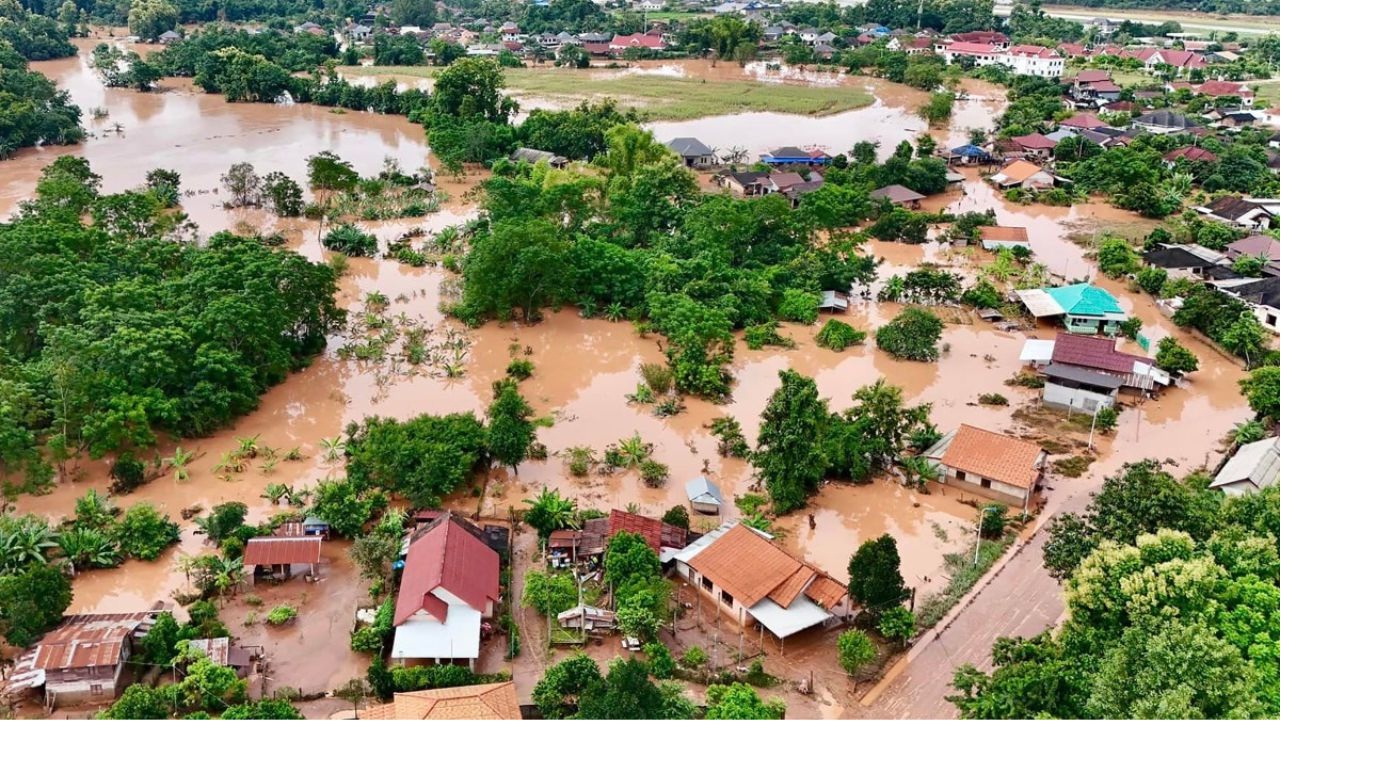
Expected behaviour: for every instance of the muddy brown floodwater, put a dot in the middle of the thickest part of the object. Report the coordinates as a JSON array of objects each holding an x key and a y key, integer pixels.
[{"x": 584, "y": 368}]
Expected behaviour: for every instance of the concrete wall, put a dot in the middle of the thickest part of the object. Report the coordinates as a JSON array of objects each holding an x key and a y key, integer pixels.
[
  {"x": 1081, "y": 400},
  {"x": 995, "y": 490}
]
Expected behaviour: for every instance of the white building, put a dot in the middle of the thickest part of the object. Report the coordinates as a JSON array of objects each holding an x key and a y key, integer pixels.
[
  {"x": 1253, "y": 467},
  {"x": 1034, "y": 60}
]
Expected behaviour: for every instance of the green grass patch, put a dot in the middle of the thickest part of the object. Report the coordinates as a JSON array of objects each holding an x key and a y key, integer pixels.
[
  {"x": 963, "y": 574},
  {"x": 662, "y": 97},
  {"x": 1270, "y": 91},
  {"x": 1072, "y": 467}
]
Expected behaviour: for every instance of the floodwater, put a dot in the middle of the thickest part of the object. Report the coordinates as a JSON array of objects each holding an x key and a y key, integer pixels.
[{"x": 584, "y": 368}]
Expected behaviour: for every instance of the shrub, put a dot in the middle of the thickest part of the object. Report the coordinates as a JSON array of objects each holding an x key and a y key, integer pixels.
[
  {"x": 694, "y": 658},
  {"x": 1106, "y": 419},
  {"x": 992, "y": 399},
  {"x": 520, "y": 369},
  {"x": 766, "y": 335},
  {"x": 983, "y": 295},
  {"x": 678, "y": 516},
  {"x": 838, "y": 335},
  {"x": 350, "y": 240},
  {"x": 913, "y": 335},
  {"x": 799, "y": 306},
  {"x": 654, "y": 473},
  {"x": 855, "y": 651},
  {"x": 580, "y": 459},
  {"x": 993, "y": 520},
  {"x": 659, "y": 661},
  {"x": 143, "y": 532},
  {"x": 1152, "y": 280},
  {"x": 281, "y": 615},
  {"x": 1072, "y": 467},
  {"x": 1117, "y": 258},
  {"x": 368, "y": 640},
  {"x": 1024, "y": 379},
  {"x": 896, "y": 624},
  {"x": 660, "y": 378},
  {"x": 127, "y": 473}
]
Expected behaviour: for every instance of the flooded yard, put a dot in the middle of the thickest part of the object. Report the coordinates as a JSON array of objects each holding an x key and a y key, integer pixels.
[{"x": 584, "y": 367}]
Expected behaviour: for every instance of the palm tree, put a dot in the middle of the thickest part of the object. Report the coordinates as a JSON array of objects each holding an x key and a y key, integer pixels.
[
  {"x": 332, "y": 447},
  {"x": 179, "y": 462},
  {"x": 85, "y": 547},
  {"x": 920, "y": 470},
  {"x": 23, "y": 542},
  {"x": 227, "y": 574},
  {"x": 735, "y": 155},
  {"x": 550, "y": 511},
  {"x": 634, "y": 450},
  {"x": 247, "y": 447},
  {"x": 274, "y": 493}
]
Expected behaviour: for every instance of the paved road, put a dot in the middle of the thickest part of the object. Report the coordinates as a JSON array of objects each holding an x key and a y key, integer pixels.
[
  {"x": 1190, "y": 24},
  {"x": 1022, "y": 601}
]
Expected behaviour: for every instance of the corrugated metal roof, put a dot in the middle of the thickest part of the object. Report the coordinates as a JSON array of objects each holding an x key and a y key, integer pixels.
[
  {"x": 264, "y": 551},
  {"x": 1259, "y": 463},
  {"x": 446, "y": 554},
  {"x": 655, "y": 533},
  {"x": 703, "y": 490},
  {"x": 1085, "y": 299},
  {"x": 1084, "y": 376},
  {"x": 1039, "y": 303},
  {"x": 88, "y": 640}
]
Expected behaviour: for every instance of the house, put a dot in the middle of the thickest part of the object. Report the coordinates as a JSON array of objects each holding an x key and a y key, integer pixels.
[
  {"x": 1072, "y": 50},
  {"x": 1235, "y": 119},
  {"x": 1255, "y": 466},
  {"x": 1024, "y": 174},
  {"x": 359, "y": 33},
  {"x": 278, "y": 555},
  {"x": 749, "y": 578},
  {"x": 979, "y": 53},
  {"x": 791, "y": 155},
  {"x": 1083, "y": 307},
  {"x": 1096, "y": 354},
  {"x": 661, "y": 537},
  {"x": 967, "y": 154},
  {"x": 533, "y": 156},
  {"x": 221, "y": 652},
  {"x": 1084, "y": 121},
  {"x": 695, "y": 153},
  {"x": 833, "y": 301},
  {"x": 1034, "y": 60},
  {"x": 781, "y": 182},
  {"x": 994, "y": 237},
  {"x": 621, "y": 43},
  {"x": 1263, "y": 294},
  {"x": 451, "y": 582},
  {"x": 1217, "y": 89},
  {"x": 900, "y": 196},
  {"x": 489, "y": 701},
  {"x": 1117, "y": 107},
  {"x": 1081, "y": 389},
  {"x": 567, "y": 546},
  {"x": 704, "y": 495},
  {"x": 992, "y": 465},
  {"x": 1190, "y": 153},
  {"x": 745, "y": 183},
  {"x": 169, "y": 36},
  {"x": 1192, "y": 260},
  {"x": 1102, "y": 26},
  {"x": 1238, "y": 212},
  {"x": 1256, "y": 246},
  {"x": 990, "y": 37},
  {"x": 1164, "y": 122},
  {"x": 588, "y": 619},
  {"x": 597, "y": 48},
  {"x": 1036, "y": 146},
  {"x": 83, "y": 659}
]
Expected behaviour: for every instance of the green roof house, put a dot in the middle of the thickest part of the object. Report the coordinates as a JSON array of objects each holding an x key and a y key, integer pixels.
[{"x": 1083, "y": 307}]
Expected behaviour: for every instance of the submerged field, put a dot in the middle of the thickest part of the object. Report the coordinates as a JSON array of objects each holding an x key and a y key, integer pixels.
[{"x": 663, "y": 96}]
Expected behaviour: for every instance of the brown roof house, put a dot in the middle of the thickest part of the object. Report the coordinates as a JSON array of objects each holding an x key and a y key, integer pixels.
[
  {"x": 490, "y": 701},
  {"x": 899, "y": 195},
  {"x": 280, "y": 553},
  {"x": 451, "y": 582},
  {"x": 751, "y": 579},
  {"x": 1024, "y": 174},
  {"x": 998, "y": 467},
  {"x": 81, "y": 660},
  {"x": 994, "y": 237}
]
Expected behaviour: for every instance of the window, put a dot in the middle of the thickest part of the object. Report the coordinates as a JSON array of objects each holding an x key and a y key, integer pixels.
[
  {"x": 98, "y": 689},
  {"x": 708, "y": 584},
  {"x": 959, "y": 474},
  {"x": 987, "y": 484},
  {"x": 727, "y": 599}
]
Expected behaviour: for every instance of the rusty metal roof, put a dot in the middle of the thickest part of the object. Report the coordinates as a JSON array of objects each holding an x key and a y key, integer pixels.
[
  {"x": 262, "y": 551},
  {"x": 88, "y": 640}
]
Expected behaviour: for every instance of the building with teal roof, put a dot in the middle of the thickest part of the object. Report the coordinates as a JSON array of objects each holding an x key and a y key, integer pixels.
[{"x": 1083, "y": 308}]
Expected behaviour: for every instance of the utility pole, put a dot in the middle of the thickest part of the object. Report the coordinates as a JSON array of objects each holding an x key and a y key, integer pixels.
[
  {"x": 978, "y": 538},
  {"x": 1092, "y": 423}
]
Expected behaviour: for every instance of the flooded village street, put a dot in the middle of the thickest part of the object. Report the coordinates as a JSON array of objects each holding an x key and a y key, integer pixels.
[{"x": 584, "y": 368}]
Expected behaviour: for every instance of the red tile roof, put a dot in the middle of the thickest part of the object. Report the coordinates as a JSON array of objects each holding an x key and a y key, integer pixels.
[
  {"x": 638, "y": 41},
  {"x": 993, "y": 455},
  {"x": 1094, "y": 352},
  {"x": 980, "y": 36},
  {"x": 265, "y": 551},
  {"x": 971, "y": 49},
  {"x": 1084, "y": 121},
  {"x": 655, "y": 533},
  {"x": 752, "y": 568},
  {"x": 1190, "y": 153},
  {"x": 444, "y": 554},
  {"x": 1222, "y": 89},
  {"x": 1072, "y": 49},
  {"x": 1035, "y": 141}
]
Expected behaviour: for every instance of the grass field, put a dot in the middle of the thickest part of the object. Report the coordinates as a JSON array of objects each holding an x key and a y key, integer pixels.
[
  {"x": 1120, "y": 77},
  {"x": 662, "y": 97},
  {"x": 1270, "y": 91}
]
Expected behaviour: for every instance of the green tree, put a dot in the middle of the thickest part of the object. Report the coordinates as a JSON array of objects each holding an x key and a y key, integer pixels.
[
  {"x": 144, "y": 532},
  {"x": 551, "y": 511},
  {"x": 343, "y": 508},
  {"x": 148, "y": 19},
  {"x": 141, "y": 702},
  {"x": 243, "y": 185},
  {"x": 471, "y": 88},
  {"x": 855, "y": 651},
  {"x": 874, "y": 575},
  {"x": 207, "y": 685},
  {"x": 897, "y": 624},
  {"x": 629, "y": 558},
  {"x": 32, "y": 602},
  {"x": 790, "y": 458},
  {"x": 223, "y": 521},
  {"x": 165, "y": 184},
  {"x": 417, "y": 13},
  {"x": 265, "y": 709},
  {"x": 422, "y": 459},
  {"x": 627, "y": 693},
  {"x": 557, "y": 693},
  {"x": 1246, "y": 337},
  {"x": 911, "y": 335},
  {"x": 740, "y": 701},
  {"x": 160, "y": 644},
  {"x": 510, "y": 430},
  {"x": 329, "y": 172},
  {"x": 1176, "y": 359},
  {"x": 1263, "y": 390},
  {"x": 286, "y": 197}
]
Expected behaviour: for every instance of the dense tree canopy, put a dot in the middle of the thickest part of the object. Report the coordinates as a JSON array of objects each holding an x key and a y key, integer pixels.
[
  {"x": 35, "y": 110},
  {"x": 422, "y": 459},
  {"x": 790, "y": 456}
]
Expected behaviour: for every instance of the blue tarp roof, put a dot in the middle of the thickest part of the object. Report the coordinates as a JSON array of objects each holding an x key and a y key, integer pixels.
[{"x": 968, "y": 150}]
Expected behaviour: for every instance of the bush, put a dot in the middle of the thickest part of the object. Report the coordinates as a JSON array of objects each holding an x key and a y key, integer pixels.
[
  {"x": 1117, "y": 258},
  {"x": 855, "y": 651},
  {"x": 1024, "y": 379},
  {"x": 659, "y": 661},
  {"x": 992, "y": 399},
  {"x": 993, "y": 520},
  {"x": 694, "y": 658},
  {"x": 127, "y": 473},
  {"x": 1072, "y": 467},
  {"x": 143, "y": 532},
  {"x": 838, "y": 335},
  {"x": 766, "y": 335},
  {"x": 897, "y": 624},
  {"x": 983, "y": 295},
  {"x": 281, "y": 615},
  {"x": 1106, "y": 419},
  {"x": 678, "y": 516},
  {"x": 660, "y": 378},
  {"x": 368, "y": 640},
  {"x": 799, "y": 306},
  {"x": 350, "y": 240},
  {"x": 654, "y": 473},
  {"x": 1152, "y": 279},
  {"x": 520, "y": 369},
  {"x": 913, "y": 335}
]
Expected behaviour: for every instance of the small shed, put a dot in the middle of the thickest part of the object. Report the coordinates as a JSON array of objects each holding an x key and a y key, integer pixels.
[
  {"x": 588, "y": 618},
  {"x": 967, "y": 154},
  {"x": 533, "y": 156},
  {"x": 1255, "y": 466},
  {"x": 704, "y": 495},
  {"x": 899, "y": 195},
  {"x": 833, "y": 301},
  {"x": 279, "y": 555},
  {"x": 221, "y": 652}
]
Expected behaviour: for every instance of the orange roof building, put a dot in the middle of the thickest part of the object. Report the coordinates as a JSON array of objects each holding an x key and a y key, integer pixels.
[
  {"x": 992, "y": 465},
  {"x": 749, "y": 577},
  {"x": 492, "y": 701}
]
